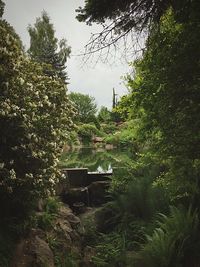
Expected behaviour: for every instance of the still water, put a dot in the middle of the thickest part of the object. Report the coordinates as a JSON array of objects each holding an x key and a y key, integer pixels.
[{"x": 99, "y": 160}]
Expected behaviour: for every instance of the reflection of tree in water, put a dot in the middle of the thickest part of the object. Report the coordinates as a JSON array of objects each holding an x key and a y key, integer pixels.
[{"x": 95, "y": 160}]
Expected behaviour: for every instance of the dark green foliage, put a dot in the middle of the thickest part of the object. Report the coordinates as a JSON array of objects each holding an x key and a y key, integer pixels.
[
  {"x": 46, "y": 219},
  {"x": 139, "y": 13},
  {"x": 45, "y": 47},
  {"x": 168, "y": 89},
  {"x": 166, "y": 97},
  {"x": 163, "y": 103},
  {"x": 176, "y": 236},
  {"x": 110, "y": 250},
  {"x": 2, "y": 5}
]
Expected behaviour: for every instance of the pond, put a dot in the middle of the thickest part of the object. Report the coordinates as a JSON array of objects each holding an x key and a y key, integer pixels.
[
  {"x": 117, "y": 161},
  {"x": 96, "y": 160}
]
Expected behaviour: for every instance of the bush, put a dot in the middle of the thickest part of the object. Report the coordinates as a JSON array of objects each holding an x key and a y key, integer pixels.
[
  {"x": 45, "y": 220},
  {"x": 35, "y": 118},
  {"x": 108, "y": 128},
  {"x": 176, "y": 237},
  {"x": 110, "y": 250},
  {"x": 125, "y": 136},
  {"x": 87, "y": 131},
  {"x": 72, "y": 139}
]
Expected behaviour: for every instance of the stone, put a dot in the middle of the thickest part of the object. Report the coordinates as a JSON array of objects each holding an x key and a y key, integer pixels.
[
  {"x": 98, "y": 192},
  {"x": 77, "y": 176},
  {"x": 64, "y": 211},
  {"x": 88, "y": 253},
  {"x": 33, "y": 251},
  {"x": 77, "y": 194},
  {"x": 109, "y": 146},
  {"x": 42, "y": 252},
  {"x": 40, "y": 205},
  {"x": 73, "y": 220},
  {"x": 97, "y": 139}
]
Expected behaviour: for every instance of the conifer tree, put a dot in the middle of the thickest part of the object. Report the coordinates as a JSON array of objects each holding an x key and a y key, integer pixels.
[{"x": 45, "y": 47}]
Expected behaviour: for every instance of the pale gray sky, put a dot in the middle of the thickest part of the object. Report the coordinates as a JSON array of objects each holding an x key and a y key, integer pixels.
[{"x": 97, "y": 80}]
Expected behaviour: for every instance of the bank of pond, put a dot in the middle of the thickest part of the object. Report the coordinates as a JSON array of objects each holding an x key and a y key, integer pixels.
[{"x": 111, "y": 210}]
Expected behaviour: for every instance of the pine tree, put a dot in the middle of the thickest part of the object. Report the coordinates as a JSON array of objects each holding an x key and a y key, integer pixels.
[{"x": 45, "y": 47}]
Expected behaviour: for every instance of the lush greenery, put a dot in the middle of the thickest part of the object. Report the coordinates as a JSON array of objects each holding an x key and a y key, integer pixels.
[
  {"x": 153, "y": 216},
  {"x": 161, "y": 125},
  {"x": 35, "y": 118},
  {"x": 85, "y": 107},
  {"x": 45, "y": 48}
]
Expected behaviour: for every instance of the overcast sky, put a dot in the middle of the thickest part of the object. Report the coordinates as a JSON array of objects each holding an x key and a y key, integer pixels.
[{"x": 96, "y": 80}]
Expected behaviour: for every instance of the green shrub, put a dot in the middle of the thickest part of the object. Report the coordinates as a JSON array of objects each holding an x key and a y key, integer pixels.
[
  {"x": 108, "y": 128},
  {"x": 72, "y": 139},
  {"x": 110, "y": 250},
  {"x": 125, "y": 136},
  {"x": 90, "y": 232},
  {"x": 176, "y": 235},
  {"x": 87, "y": 131},
  {"x": 45, "y": 219},
  {"x": 33, "y": 128}
]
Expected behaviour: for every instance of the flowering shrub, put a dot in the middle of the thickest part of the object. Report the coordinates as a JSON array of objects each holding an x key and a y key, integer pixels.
[{"x": 35, "y": 118}]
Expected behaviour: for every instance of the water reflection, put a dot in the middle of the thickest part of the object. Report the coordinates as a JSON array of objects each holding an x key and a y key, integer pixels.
[{"x": 98, "y": 160}]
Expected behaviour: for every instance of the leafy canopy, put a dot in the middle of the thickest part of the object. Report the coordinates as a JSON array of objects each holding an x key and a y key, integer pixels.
[
  {"x": 85, "y": 106},
  {"x": 137, "y": 14},
  {"x": 128, "y": 19}
]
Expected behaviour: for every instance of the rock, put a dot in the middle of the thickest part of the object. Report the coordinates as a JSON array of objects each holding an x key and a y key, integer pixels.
[
  {"x": 73, "y": 220},
  {"x": 61, "y": 188},
  {"x": 88, "y": 252},
  {"x": 33, "y": 251},
  {"x": 64, "y": 229},
  {"x": 77, "y": 194},
  {"x": 98, "y": 192},
  {"x": 109, "y": 146},
  {"x": 97, "y": 139},
  {"x": 79, "y": 207},
  {"x": 64, "y": 211},
  {"x": 77, "y": 177},
  {"x": 40, "y": 205},
  {"x": 42, "y": 252}
]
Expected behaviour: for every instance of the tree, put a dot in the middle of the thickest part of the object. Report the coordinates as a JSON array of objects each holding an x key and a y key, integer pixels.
[
  {"x": 85, "y": 106},
  {"x": 121, "y": 18},
  {"x": 124, "y": 107},
  {"x": 45, "y": 47},
  {"x": 104, "y": 114},
  {"x": 33, "y": 127},
  {"x": 2, "y": 5},
  {"x": 165, "y": 95}
]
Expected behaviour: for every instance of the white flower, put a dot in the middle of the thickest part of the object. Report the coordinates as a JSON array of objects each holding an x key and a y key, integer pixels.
[
  {"x": 2, "y": 165},
  {"x": 21, "y": 81}
]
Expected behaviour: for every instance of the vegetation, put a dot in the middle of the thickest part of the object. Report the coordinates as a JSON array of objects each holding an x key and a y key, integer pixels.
[
  {"x": 152, "y": 218},
  {"x": 161, "y": 116},
  {"x": 121, "y": 19},
  {"x": 33, "y": 131},
  {"x": 45, "y": 48},
  {"x": 85, "y": 107}
]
